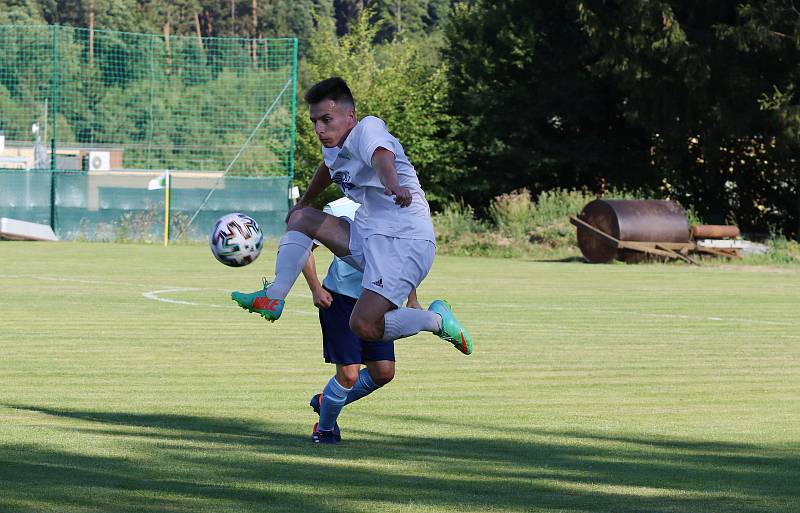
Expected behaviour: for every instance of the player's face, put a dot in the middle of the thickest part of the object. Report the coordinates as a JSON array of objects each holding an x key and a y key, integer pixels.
[{"x": 332, "y": 121}]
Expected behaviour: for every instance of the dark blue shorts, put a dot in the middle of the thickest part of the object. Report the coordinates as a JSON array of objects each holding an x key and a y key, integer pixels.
[{"x": 339, "y": 344}]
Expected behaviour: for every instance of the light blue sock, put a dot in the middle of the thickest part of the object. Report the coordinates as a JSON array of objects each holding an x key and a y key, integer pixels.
[
  {"x": 333, "y": 398},
  {"x": 363, "y": 387}
]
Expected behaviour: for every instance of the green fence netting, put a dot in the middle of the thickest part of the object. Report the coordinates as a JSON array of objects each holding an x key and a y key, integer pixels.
[
  {"x": 178, "y": 102},
  {"x": 100, "y": 106},
  {"x": 117, "y": 206}
]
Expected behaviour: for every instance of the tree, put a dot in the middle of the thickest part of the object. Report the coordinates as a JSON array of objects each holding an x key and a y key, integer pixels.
[
  {"x": 398, "y": 18},
  {"x": 528, "y": 111},
  {"x": 125, "y": 15},
  {"x": 20, "y": 12},
  {"x": 401, "y": 18},
  {"x": 696, "y": 77},
  {"x": 394, "y": 82}
]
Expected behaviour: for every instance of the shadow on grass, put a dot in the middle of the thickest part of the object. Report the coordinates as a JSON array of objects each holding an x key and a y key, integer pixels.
[
  {"x": 191, "y": 463},
  {"x": 565, "y": 260}
]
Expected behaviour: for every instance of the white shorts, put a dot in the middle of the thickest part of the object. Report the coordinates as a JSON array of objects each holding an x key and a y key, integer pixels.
[{"x": 392, "y": 267}]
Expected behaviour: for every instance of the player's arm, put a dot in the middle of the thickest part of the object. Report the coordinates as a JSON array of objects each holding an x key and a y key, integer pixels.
[
  {"x": 321, "y": 297},
  {"x": 383, "y": 164},
  {"x": 319, "y": 182}
]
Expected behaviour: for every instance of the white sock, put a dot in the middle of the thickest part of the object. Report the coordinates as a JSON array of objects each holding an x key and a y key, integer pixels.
[
  {"x": 405, "y": 322},
  {"x": 293, "y": 253}
]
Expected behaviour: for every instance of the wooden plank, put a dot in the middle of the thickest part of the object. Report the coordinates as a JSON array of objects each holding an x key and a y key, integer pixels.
[
  {"x": 677, "y": 246},
  {"x": 644, "y": 248},
  {"x": 685, "y": 258},
  {"x": 667, "y": 246},
  {"x": 597, "y": 231},
  {"x": 718, "y": 252}
]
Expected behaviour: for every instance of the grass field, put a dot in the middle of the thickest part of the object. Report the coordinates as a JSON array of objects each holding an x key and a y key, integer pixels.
[{"x": 129, "y": 382}]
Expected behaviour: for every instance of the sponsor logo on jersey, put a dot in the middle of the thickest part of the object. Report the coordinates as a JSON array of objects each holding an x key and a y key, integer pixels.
[
  {"x": 342, "y": 179},
  {"x": 378, "y": 282}
]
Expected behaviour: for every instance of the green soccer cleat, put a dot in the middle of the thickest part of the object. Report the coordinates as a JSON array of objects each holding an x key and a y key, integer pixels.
[
  {"x": 259, "y": 302},
  {"x": 452, "y": 330}
]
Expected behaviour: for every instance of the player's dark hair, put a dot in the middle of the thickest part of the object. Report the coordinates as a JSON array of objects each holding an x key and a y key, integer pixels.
[{"x": 334, "y": 88}]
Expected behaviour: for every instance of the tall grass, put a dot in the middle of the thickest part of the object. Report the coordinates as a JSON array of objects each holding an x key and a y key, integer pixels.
[
  {"x": 517, "y": 225},
  {"x": 455, "y": 221},
  {"x": 521, "y": 225}
]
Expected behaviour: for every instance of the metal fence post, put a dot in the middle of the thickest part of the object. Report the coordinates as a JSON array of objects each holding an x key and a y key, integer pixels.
[{"x": 53, "y": 124}]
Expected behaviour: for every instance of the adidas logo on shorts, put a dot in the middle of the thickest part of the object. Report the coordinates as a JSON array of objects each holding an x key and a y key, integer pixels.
[{"x": 378, "y": 283}]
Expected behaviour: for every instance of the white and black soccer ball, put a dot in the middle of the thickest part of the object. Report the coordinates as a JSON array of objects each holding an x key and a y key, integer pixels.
[{"x": 236, "y": 239}]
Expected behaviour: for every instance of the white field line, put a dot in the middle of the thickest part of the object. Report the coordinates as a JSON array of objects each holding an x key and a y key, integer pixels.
[
  {"x": 155, "y": 295},
  {"x": 152, "y": 295}
]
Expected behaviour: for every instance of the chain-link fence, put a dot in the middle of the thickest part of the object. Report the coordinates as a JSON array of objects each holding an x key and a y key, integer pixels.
[
  {"x": 117, "y": 206},
  {"x": 111, "y": 103},
  {"x": 155, "y": 102}
]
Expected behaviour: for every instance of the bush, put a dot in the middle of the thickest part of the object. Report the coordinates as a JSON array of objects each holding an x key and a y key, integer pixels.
[
  {"x": 781, "y": 251},
  {"x": 517, "y": 226},
  {"x": 455, "y": 222},
  {"x": 544, "y": 221},
  {"x": 557, "y": 205},
  {"x": 136, "y": 226},
  {"x": 551, "y": 225},
  {"x": 513, "y": 213}
]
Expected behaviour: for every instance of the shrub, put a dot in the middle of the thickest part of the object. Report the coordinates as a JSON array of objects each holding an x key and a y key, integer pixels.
[
  {"x": 455, "y": 222},
  {"x": 557, "y": 205},
  {"x": 512, "y": 213}
]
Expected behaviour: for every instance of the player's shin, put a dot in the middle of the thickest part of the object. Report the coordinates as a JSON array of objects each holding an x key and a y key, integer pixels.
[
  {"x": 293, "y": 253},
  {"x": 333, "y": 399},
  {"x": 363, "y": 387},
  {"x": 405, "y": 322}
]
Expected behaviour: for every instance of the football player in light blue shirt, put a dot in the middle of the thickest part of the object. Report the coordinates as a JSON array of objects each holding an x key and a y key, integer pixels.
[{"x": 335, "y": 297}]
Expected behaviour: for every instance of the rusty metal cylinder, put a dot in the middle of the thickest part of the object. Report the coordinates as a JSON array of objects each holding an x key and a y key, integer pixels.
[
  {"x": 714, "y": 231},
  {"x": 629, "y": 220}
]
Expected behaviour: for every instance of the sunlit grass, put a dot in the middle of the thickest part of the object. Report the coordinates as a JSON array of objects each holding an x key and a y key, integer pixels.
[{"x": 592, "y": 388}]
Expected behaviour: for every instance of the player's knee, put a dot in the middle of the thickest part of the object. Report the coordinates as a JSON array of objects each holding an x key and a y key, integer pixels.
[
  {"x": 298, "y": 221},
  {"x": 382, "y": 376},
  {"x": 365, "y": 329},
  {"x": 347, "y": 378},
  {"x": 358, "y": 327}
]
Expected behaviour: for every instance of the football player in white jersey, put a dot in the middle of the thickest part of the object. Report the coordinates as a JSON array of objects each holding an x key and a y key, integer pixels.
[{"x": 391, "y": 239}]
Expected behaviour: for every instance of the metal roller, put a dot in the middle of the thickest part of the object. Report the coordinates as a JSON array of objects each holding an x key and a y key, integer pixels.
[
  {"x": 629, "y": 220},
  {"x": 713, "y": 231}
]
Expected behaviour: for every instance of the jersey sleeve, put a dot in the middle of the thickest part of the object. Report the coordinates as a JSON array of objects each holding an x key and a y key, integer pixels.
[{"x": 374, "y": 136}]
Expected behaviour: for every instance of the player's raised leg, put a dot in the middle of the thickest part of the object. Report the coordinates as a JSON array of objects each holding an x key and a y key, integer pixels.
[
  {"x": 451, "y": 329},
  {"x": 376, "y": 318},
  {"x": 304, "y": 225},
  {"x": 394, "y": 268}
]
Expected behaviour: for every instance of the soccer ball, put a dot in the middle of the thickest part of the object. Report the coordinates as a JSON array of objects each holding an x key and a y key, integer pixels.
[{"x": 236, "y": 239}]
